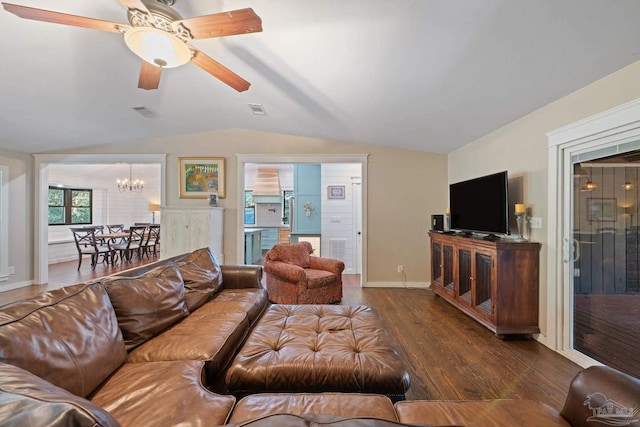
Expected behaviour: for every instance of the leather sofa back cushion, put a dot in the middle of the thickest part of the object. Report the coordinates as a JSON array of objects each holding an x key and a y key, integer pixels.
[
  {"x": 28, "y": 400},
  {"x": 292, "y": 253},
  {"x": 201, "y": 275},
  {"x": 147, "y": 304},
  {"x": 69, "y": 337}
]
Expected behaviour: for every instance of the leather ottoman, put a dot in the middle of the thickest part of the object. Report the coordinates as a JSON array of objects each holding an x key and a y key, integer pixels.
[{"x": 318, "y": 348}]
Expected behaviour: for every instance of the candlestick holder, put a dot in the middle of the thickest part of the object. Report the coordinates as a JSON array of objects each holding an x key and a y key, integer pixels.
[
  {"x": 520, "y": 222},
  {"x": 447, "y": 218}
]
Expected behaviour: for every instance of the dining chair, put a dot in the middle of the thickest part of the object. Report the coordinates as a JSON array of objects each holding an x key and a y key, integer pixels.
[
  {"x": 116, "y": 228},
  {"x": 86, "y": 244},
  {"x": 99, "y": 229},
  {"x": 152, "y": 240},
  {"x": 132, "y": 244}
]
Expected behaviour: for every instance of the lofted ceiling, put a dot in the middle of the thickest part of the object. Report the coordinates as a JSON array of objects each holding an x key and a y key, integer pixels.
[{"x": 429, "y": 75}]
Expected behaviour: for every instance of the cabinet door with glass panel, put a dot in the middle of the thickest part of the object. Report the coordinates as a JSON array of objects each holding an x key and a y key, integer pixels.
[
  {"x": 476, "y": 276},
  {"x": 442, "y": 265}
]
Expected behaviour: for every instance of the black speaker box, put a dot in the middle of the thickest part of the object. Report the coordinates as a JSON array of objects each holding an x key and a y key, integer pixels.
[{"x": 437, "y": 222}]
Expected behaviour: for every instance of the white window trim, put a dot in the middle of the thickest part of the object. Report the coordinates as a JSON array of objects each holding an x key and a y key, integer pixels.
[{"x": 607, "y": 129}]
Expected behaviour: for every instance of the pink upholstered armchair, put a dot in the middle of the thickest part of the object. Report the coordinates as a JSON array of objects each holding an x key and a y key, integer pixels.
[{"x": 295, "y": 277}]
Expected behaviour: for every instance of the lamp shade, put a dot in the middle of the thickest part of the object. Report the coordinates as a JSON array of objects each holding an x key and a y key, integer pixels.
[
  {"x": 154, "y": 207},
  {"x": 157, "y": 47}
]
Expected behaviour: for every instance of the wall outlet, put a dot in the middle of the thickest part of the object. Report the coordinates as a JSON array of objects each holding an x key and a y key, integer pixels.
[
  {"x": 400, "y": 268},
  {"x": 11, "y": 270},
  {"x": 536, "y": 222}
]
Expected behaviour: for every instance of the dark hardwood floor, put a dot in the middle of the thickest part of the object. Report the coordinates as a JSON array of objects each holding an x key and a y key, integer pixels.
[{"x": 448, "y": 355}]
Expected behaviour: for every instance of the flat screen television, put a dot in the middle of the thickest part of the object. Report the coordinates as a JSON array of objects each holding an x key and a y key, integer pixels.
[{"x": 481, "y": 204}]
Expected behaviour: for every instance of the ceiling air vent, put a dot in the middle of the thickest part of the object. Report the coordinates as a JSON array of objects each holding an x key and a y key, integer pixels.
[
  {"x": 257, "y": 109},
  {"x": 146, "y": 112}
]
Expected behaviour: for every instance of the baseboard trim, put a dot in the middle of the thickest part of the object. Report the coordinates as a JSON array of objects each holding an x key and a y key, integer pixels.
[
  {"x": 400, "y": 285},
  {"x": 17, "y": 285}
]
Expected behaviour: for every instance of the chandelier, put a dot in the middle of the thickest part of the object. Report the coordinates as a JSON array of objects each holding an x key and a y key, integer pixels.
[{"x": 130, "y": 184}]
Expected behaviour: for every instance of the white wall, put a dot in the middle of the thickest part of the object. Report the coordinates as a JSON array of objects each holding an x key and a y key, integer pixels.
[{"x": 20, "y": 248}]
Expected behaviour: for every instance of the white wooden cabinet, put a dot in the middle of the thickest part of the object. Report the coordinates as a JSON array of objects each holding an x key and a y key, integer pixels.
[{"x": 187, "y": 229}]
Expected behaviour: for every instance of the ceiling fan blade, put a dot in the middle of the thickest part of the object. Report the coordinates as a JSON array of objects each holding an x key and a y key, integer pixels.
[
  {"x": 62, "y": 18},
  {"x": 219, "y": 71},
  {"x": 135, "y": 4},
  {"x": 240, "y": 21},
  {"x": 149, "y": 76}
]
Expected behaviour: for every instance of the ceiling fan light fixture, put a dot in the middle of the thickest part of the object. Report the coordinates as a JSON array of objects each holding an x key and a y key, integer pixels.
[{"x": 157, "y": 47}]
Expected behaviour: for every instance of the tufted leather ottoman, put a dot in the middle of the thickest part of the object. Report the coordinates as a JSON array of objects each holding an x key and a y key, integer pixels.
[{"x": 318, "y": 348}]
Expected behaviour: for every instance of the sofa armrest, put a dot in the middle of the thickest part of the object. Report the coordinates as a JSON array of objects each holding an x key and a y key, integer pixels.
[
  {"x": 335, "y": 266},
  {"x": 241, "y": 276},
  {"x": 29, "y": 400},
  {"x": 285, "y": 271},
  {"x": 601, "y": 394}
]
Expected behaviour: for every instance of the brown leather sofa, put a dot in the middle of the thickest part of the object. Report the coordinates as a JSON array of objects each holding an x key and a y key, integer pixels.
[
  {"x": 598, "y": 395},
  {"x": 143, "y": 348}
]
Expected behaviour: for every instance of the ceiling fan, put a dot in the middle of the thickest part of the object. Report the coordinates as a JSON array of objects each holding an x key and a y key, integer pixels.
[{"x": 160, "y": 36}]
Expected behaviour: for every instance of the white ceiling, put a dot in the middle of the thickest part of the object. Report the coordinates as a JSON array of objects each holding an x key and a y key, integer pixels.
[{"x": 428, "y": 75}]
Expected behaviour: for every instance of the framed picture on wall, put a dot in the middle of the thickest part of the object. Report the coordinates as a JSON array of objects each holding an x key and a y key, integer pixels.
[
  {"x": 201, "y": 177},
  {"x": 335, "y": 192},
  {"x": 601, "y": 209}
]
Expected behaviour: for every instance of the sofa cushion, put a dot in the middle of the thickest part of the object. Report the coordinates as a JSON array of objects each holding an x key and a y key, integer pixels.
[
  {"x": 146, "y": 305},
  {"x": 213, "y": 338},
  {"x": 290, "y": 420},
  {"x": 343, "y": 404},
  {"x": 28, "y": 400},
  {"x": 291, "y": 253},
  {"x": 75, "y": 327},
  {"x": 480, "y": 413},
  {"x": 320, "y": 278},
  {"x": 201, "y": 275},
  {"x": 162, "y": 394},
  {"x": 250, "y": 301}
]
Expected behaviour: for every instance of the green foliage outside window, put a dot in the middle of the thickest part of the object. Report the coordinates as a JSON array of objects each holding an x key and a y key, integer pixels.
[
  {"x": 70, "y": 206},
  {"x": 56, "y": 206}
]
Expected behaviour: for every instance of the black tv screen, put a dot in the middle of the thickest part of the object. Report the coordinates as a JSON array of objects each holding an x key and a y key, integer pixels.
[{"x": 481, "y": 204}]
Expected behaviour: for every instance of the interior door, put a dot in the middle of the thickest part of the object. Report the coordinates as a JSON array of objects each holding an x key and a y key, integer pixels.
[{"x": 356, "y": 187}]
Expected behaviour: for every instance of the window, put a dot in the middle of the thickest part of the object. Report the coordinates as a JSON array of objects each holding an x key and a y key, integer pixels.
[
  {"x": 249, "y": 208},
  {"x": 70, "y": 206}
]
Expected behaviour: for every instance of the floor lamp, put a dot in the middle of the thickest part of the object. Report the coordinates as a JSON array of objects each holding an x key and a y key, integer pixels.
[{"x": 154, "y": 207}]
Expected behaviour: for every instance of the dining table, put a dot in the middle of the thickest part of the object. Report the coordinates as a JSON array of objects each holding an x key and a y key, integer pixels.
[{"x": 119, "y": 235}]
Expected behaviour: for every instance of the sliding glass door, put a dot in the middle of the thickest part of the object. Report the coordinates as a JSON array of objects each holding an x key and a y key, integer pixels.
[{"x": 605, "y": 266}]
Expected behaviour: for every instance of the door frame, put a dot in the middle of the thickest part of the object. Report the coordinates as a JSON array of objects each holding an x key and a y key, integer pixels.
[
  {"x": 608, "y": 131},
  {"x": 41, "y": 184},
  {"x": 301, "y": 158}
]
